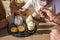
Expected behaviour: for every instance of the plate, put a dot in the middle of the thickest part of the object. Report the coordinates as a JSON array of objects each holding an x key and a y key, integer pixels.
[{"x": 25, "y": 33}]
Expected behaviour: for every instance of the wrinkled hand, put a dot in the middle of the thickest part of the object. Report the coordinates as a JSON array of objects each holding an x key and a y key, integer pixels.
[
  {"x": 48, "y": 14},
  {"x": 43, "y": 15}
]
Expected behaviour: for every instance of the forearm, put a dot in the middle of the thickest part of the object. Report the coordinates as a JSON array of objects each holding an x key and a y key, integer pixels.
[{"x": 57, "y": 20}]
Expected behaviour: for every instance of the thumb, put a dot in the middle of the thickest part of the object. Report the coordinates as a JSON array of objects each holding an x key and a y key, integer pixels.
[{"x": 45, "y": 10}]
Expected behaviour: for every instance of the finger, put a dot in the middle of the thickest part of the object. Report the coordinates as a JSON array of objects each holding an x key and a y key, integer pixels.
[
  {"x": 41, "y": 14},
  {"x": 45, "y": 10},
  {"x": 21, "y": 10},
  {"x": 18, "y": 12}
]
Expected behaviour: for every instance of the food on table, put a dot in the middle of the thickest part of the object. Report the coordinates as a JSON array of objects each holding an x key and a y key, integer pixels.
[
  {"x": 18, "y": 20},
  {"x": 14, "y": 29},
  {"x": 31, "y": 26},
  {"x": 29, "y": 19},
  {"x": 21, "y": 28}
]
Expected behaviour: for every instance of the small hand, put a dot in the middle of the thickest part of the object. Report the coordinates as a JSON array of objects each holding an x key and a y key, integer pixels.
[{"x": 20, "y": 12}]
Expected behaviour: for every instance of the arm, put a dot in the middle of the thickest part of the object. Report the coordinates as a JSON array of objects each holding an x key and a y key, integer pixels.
[
  {"x": 55, "y": 19},
  {"x": 26, "y": 6}
]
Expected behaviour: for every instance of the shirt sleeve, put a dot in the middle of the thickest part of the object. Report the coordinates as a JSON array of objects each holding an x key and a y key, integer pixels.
[
  {"x": 28, "y": 4},
  {"x": 57, "y": 5}
]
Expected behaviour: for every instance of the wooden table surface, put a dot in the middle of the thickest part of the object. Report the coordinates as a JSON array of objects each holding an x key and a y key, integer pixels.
[{"x": 43, "y": 33}]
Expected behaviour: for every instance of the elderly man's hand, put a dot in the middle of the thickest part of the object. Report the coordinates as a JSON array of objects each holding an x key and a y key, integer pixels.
[{"x": 50, "y": 15}]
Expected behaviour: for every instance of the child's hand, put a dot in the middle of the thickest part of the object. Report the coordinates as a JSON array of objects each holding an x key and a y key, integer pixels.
[{"x": 20, "y": 12}]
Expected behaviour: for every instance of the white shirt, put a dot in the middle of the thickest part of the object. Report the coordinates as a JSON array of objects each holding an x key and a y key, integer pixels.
[{"x": 33, "y": 3}]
